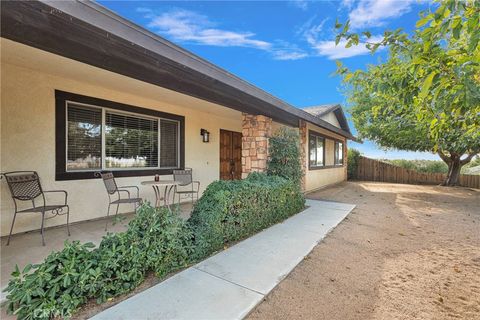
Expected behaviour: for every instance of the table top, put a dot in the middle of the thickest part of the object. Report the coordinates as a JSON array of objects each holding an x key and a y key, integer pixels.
[{"x": 160, "y": 182}]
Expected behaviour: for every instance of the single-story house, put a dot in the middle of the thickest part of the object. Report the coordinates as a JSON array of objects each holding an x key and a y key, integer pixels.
[{"x": 85, "y": 90}]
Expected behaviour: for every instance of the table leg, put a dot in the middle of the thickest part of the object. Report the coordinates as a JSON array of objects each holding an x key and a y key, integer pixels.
[
  {"x": 157, "y": 196},
  {"x": 167, "y": 198}
]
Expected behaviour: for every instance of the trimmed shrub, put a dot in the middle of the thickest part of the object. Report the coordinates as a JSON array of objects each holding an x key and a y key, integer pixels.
[
  {"x": 156, "y": 239},
  {"x": 232, "y": 210},
  {"x": 284, "y": 155},
  {"x": 352, "y": 163}
]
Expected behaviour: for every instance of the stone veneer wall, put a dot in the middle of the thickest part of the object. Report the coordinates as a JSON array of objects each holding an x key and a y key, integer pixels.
[
  {"x": 256, "y": 130},
  {"x": 303, "y": 151}
]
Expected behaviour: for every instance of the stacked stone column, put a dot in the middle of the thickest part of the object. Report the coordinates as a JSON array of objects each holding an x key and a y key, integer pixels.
[{"x": 256, "y": 130}]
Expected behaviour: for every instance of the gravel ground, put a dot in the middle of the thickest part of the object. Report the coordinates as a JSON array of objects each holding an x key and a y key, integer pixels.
[{"x": 405, "y": 252}]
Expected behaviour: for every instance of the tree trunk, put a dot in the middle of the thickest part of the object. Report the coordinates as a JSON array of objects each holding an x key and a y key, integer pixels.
[
  {"x": 455, "y": 164},
  {"x": 453, "y": 173}
]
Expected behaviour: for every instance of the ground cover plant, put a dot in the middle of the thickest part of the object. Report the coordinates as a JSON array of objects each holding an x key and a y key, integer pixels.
[{"x": 156, "y": 240}]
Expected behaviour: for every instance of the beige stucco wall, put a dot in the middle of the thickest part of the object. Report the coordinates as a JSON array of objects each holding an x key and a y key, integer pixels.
[
  {"x": 331, "y": 118},
  {"x": 318, "y": 178},
  {"x": 28, "y": 129}
]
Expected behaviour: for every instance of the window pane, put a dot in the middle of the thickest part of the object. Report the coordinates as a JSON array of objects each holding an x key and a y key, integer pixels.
[
  {"x": 312, "y": 147},
  {"x": 168, "y": 143},
  {"x": 130, "y": 141},
  {"x": 84, "y": 138},
  {"x": 320, "y": 146},
  {"x": 340, "y": 153}
]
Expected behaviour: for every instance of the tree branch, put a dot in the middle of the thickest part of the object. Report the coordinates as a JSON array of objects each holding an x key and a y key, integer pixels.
[
  {"x": 442, "y": 155},
  {"x": 467, "y": 159}
]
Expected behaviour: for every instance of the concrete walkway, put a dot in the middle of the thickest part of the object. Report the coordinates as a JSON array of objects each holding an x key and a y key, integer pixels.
[{"x": 231, "y": 283}]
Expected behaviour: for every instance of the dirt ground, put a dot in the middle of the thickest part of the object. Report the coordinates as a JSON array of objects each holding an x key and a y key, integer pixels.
[{"x": 405, "y": 252}]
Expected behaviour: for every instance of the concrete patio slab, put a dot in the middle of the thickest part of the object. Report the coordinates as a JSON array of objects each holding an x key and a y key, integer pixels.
[{"x": 229, "y": 284}]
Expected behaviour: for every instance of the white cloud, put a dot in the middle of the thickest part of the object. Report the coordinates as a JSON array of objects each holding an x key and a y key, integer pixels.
[
  {"x": 286, "y": 51},
  {"x": 331, "y": 51},
  {"x": 184, "y": 25},
  {"x": 302, "y": 4},
  {"x": 348, "y": 4},
  {"x": 374, "y": 13},
  {"x": 312, "y": 32},
  {"x": 188, "y": 26}
]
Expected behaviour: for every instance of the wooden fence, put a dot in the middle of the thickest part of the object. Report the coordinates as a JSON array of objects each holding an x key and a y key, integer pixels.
[{"x": 375, "y": 170}]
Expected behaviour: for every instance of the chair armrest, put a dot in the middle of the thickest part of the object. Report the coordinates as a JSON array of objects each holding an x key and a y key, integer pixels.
[
  {"x": 58, "y": 191},
  {"x": 123, "y": 190},
  {"x": 135, "y": 187}
]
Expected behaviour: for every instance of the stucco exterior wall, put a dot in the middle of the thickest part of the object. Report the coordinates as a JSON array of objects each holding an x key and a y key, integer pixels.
[
  {"x": 331, "y": 118},
  {"x": 28, "y": 138},
  {"x": 318, "y": 178}
]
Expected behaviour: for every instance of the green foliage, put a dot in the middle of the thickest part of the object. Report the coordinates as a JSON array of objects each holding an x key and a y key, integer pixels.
[
  {"x": 156, "y": 239},
  {"x": 232, "y": 210},
  {"x": 426, "y": 166},
  {"x": 353, "y": 156},
  {"x": 284, "y": 150},
  {"x": 426, "y": 95}
]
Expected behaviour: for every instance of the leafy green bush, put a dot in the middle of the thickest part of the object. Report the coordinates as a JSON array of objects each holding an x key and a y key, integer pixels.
[
  {"x": 232, "y": 210},
  {"x": 156, "y": 239},
  {"x": 352, "y": 163},
  {"x": 426, "y": 166},
  {"x": 284, "y": 155}
]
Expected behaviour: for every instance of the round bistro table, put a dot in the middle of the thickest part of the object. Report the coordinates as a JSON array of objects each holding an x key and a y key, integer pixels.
[{"x": 167, "y": 185}]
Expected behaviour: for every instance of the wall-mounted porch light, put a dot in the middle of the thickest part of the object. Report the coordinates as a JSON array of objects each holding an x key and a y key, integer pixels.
[{"x": 205, "y": 135}]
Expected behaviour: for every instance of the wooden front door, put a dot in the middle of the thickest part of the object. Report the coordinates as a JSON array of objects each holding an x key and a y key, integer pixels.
[{"x": 230, "y": 155}]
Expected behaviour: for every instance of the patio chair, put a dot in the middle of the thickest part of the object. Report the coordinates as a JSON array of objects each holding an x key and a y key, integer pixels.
[
  {"x": 114, "y": 192},
  {"x": 25, "y": 186},
  {"x": 184, "y": 179}
]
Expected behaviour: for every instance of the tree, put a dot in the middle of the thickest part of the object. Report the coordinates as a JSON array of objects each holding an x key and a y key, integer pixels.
[{"x": 426, "y": 95}]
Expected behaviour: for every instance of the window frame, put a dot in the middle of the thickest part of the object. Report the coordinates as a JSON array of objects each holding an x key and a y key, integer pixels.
[
  {"x": 316, "y": 135},
  {"x": 62, "y": 99},
  {"x": 325, "y": 137},
  {"x": 336, "y": 153}
]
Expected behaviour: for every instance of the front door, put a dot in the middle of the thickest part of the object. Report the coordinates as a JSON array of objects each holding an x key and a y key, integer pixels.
[{"x": 230, "y": 155}]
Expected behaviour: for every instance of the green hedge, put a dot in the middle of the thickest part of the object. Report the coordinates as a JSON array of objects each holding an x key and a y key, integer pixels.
[
  {"x": 353, "y": 156},
  {"x": 232, "y": 210},
  {"x": 155, "y": 240}
]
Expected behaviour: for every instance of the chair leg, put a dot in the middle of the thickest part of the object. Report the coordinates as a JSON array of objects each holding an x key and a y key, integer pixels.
[
  {"x": 108, "y": 213},
  {"x": 41, "y": 230},
  {"x": 11, "y": 228},
  {"x": 68, "y": 220}
]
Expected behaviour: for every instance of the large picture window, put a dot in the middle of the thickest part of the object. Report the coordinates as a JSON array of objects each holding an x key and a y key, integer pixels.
[
  {"x": 338, "y": 153},
  {"x": 316, "y": 148},
  {"x": 104, "y": 135}
]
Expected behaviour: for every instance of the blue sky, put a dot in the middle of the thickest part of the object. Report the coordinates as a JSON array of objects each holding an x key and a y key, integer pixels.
[{"x": 284, "y": 47}]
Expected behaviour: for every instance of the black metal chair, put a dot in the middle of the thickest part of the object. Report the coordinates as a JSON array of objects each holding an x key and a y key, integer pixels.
[
  {"x": 185, "y": 179},
  {"x": 114, "y": 193},
  {"x": 25, "y": 186}
]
